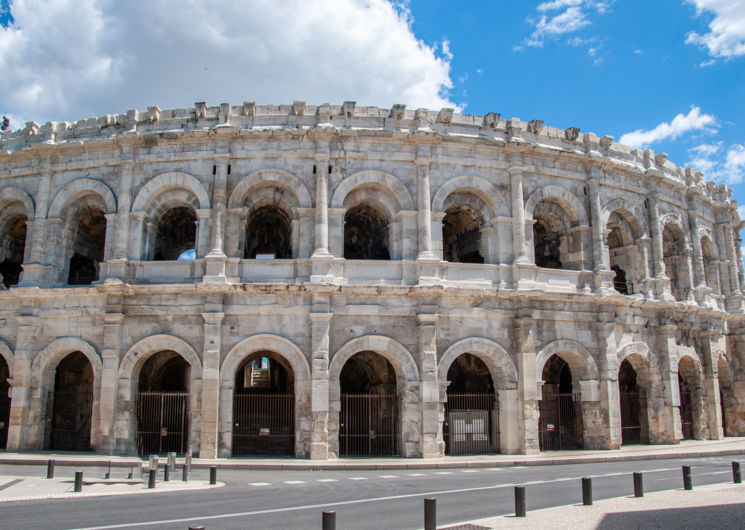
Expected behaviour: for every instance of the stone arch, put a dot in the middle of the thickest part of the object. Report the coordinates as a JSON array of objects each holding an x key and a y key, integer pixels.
[
  {"x": 568, "y": 201},
  {"x": 144, "y": 348},
  {"x": 675, "y": 220},
  {"x": 580, "y": 360},
  {"x": 377, "y": 180},
  {"x": 633, "y": 348},
  {"x": 168, "y": 181},
  {"x": 501, "y": 366},
  {"x": 79, "y": 188},
  {"x": 480, "y": 187},
  {"x": 297, "y": 361},
  {"x": 11, "y": 194},
  {"x": 7, "y": 353},
  {"x": 630, "y": 212},
  {"x": 392, "y": 350},
  {"x": 43, "y": 369},
  {"x": 270, "y": 177}
]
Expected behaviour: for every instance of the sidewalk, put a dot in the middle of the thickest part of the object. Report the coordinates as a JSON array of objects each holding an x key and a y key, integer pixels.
[
  {"x": 712, "y": 507},
  {"x": 731, "y": 446}
]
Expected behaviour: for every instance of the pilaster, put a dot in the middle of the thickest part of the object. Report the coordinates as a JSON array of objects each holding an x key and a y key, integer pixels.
[
  {"x": 320, "y": 323},
  {"x": 210, "y": 385},
  {"x": 527, "y": 386},
  {"x": 432, "y": 444}
]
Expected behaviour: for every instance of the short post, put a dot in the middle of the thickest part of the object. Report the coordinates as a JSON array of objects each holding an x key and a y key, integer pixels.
[
  {"x": 213, "y": 475},
  {"x": 131, "y": 472},
  {"x": 736, "y": 475},
  {"x": 151, "y": 479},
  {"x": 153, "y": 462},
  {"x": 188, "y": 458},
  {"x": 587, "y": 491},
  {"x": 78, "y": 481},
  {"x": 50, "y": 468},
  {"x": 687, "y": 482},
  {"x": 638, "y": 485},
  {"x": 108, "y": 472},
  {"x": 328, "y": 520},
  {"x": 430, "y": 514},
  {"x": 185, "y": 473},
  {"x": 519, "y": 501},
  {"x": 172, "y": 460},
  {"x": 167, "y": 473}
]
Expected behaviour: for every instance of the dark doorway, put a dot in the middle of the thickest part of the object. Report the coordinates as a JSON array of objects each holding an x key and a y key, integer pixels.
[
  {"x": 264, "y": 407},
  {"x": 88, "y": 233},
  {"x": 70, "y": 405},
  {"x": 368, "y": 421},
  {"x": 634, "y": 428},
  {"x": 4, "y": 402},
  {"x": 471, "y": 411},
  {"x": 689, "y": 386},
  {"x": 13, "y": 245},
  {"x": 365, "y": 234},
  {"x": 175, "y": 233},
  {"x": 560, "y": 423},
  {"x": 461, "y": 235},
  {"x": 163, "y": 404},
  {"x": 268, "y": 234}
]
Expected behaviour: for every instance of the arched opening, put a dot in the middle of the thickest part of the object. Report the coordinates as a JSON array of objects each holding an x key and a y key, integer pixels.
[
  {"x": 547, "y": 245},
  {"x": 689, "y": 384},
  {"x": 615, "y": 248},
  {"x": 624, "y": 254},
  {"x": 471, "y": 422},
  {"x": 70, "y": 405},
  {"x": 268, "y": 234},
  {"x": 710, "y": 266},
  {"x": 560, "y": 423},
  {"x": 368, "y": 421},
  {"x": 87, "y": 241},
  {"x": 461, "y": 235},
  {"x": 673, "y": 245},
  {"x": 264, "y": 407},
  {"x": 163, "y": 404},
  {"x": 727, "y": 400},
  {"x": 4, "y": 401},
  {"x": 13, "y": 241},
  {"x": 174, "y": 233},
  {"x": 556, "y": 244},
  {"x": 634, "y": 423},
  {"x": 365, "y": 234}
]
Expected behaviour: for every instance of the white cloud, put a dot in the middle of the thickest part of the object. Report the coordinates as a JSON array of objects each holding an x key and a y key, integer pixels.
[
  {"x": 573, "y": 17},
  {"x": 682, "y": 123},
  {"x": 570, "y": 20},
  {"x": 558, "y": 4},
  {"x": 726, "y": 37},
  {"x": 719, "y": 163},
  {"x": 71, "y": 59}
]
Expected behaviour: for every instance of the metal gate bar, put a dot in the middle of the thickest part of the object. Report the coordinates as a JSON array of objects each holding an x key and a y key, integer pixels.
[
  {"x": 558, "y": 426},
  {"x": 471, "y": 425},
  {"x": 69, "y": 420},
  {"x": 368, "y": 425},
  {"x": 162, "y": 422},
  {"x": 631, "y": 429},
  {"x": 263, "y": 424},
  {"x": 4, "y": 419},
  {"x": 686, "y": 414}
]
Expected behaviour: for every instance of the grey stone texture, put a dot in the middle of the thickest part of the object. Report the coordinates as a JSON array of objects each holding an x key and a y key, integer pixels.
[{"x": 119, "y": 192}]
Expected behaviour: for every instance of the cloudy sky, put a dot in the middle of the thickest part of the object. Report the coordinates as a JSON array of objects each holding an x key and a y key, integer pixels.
[{"x": 663, "y": 74}]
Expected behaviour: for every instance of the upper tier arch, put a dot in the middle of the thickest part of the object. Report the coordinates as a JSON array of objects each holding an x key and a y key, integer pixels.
[
  {"x": 78, "y": 188},
  {"x": 166, "y": 181},
  {"x": 372, "y": 178},
  {"x": 478, "y": 186},
  {"x": 571, "y": 204},
  {"x": 270, "y": 177}
]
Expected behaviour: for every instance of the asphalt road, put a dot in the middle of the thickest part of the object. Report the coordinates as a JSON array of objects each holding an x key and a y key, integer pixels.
[{"x": 361, "y": 499}]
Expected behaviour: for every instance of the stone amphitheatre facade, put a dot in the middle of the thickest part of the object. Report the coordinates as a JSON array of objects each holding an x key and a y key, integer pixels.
[{"x": 360, "y": 281}]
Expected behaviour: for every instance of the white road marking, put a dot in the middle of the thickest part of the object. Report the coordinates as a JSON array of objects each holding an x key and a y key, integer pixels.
[
  {"x": 443, "y": 472},
  {"x": 260, "y": 484},
  {"x": 469, "y": 471},
  {"x": 417, "y": 474},
  {"x": 294, "y": 482},
  {"x": 387, "y": 476},
  {"x": 714, "y": 473},
  {"x": 327, "y": 480},
  {"x": 357, "y": 478}
]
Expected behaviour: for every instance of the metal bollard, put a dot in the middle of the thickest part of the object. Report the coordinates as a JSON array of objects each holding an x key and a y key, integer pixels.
[
  {"x": 50, "y": 468},
  {"x": 78, "y": 481},
  {"x": 131, "y": 472},
  {"x": 736, "y": 475},
  {"x": 153, "y": 462},
  {"x": 587, "y": 491},
  {"x": 108, "y": 473},
  {"x": 519, "y": 501},
  {"x": 185, "y": 473},
  {"x": 151, "y": 479},
  {"x": 172, "y": 460},
  {"x": 430, "y": 514},
  {"x": 188, "y": 458},
  {"x": 328, "y": 520},
  {"x": 213, "y": 475},
  {"x": 687, "y": 482},
  {"x": 638, "y": 485},
  {"x": 167, "y": 473}
]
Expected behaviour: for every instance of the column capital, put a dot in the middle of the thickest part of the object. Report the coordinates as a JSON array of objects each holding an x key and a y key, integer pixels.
[{"x": 213, "y": 318}]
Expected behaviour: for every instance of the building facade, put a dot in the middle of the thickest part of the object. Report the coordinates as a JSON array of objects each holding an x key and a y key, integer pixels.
[{"x": 322, "y": 281}]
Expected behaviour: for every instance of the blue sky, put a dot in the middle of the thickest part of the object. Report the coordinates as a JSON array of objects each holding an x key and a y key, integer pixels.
[{"x": 663, "y": 74}]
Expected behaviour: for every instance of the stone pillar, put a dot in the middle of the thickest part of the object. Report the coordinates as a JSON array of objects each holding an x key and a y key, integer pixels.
[
  {"x": 124, "y": 198},
  {"x": 36, "y": 268},
  {"x": 424, "y": 203},
  {"x": 322, "y": 257},
  {"x": 110, "y": 353},
  {"x": 202, "y": 239},
  {"x": 735, "y": 412},
  {"x": 210, "y": 385},
  {"x": 711, "y": 340},
  {"x": 740, "y": 266},
  {"x": 610, "y": 400},
  {"x": 527, "y": 385},
  {"x": 699, "y": 275},
  {"x": 664, "y": 414},
  {"x": 433, "y": 411},
  {"x": 20, "y": 404},
  {"x": 601, "y": 259},
  {"x": 729, "y": 242},
  {"x": 215, "y": 259},
  {"x": 319, "y": 442},
  {"x": 519, "y": 250},
  {"x": 656, "y": 233},
  {"x": 644, "y": 243}
]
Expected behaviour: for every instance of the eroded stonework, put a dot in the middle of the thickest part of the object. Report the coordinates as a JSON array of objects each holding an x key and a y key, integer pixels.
[{"x": 336, "y": 262}]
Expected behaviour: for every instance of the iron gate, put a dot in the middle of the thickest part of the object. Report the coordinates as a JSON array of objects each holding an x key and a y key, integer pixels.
[
  {"x": 558, "y": 426},
  {"x": 263, "y": 424},
  {"x": 4, "y": 418},
  {"x": 631, "y": 428},
  {"x": 686, "y": 414},
  {"x": 162, "y": 422},
  {"x": 471, "y": 425},
  {"x": 69, "y": 420},
  {"x": 368, "y": 425}
]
